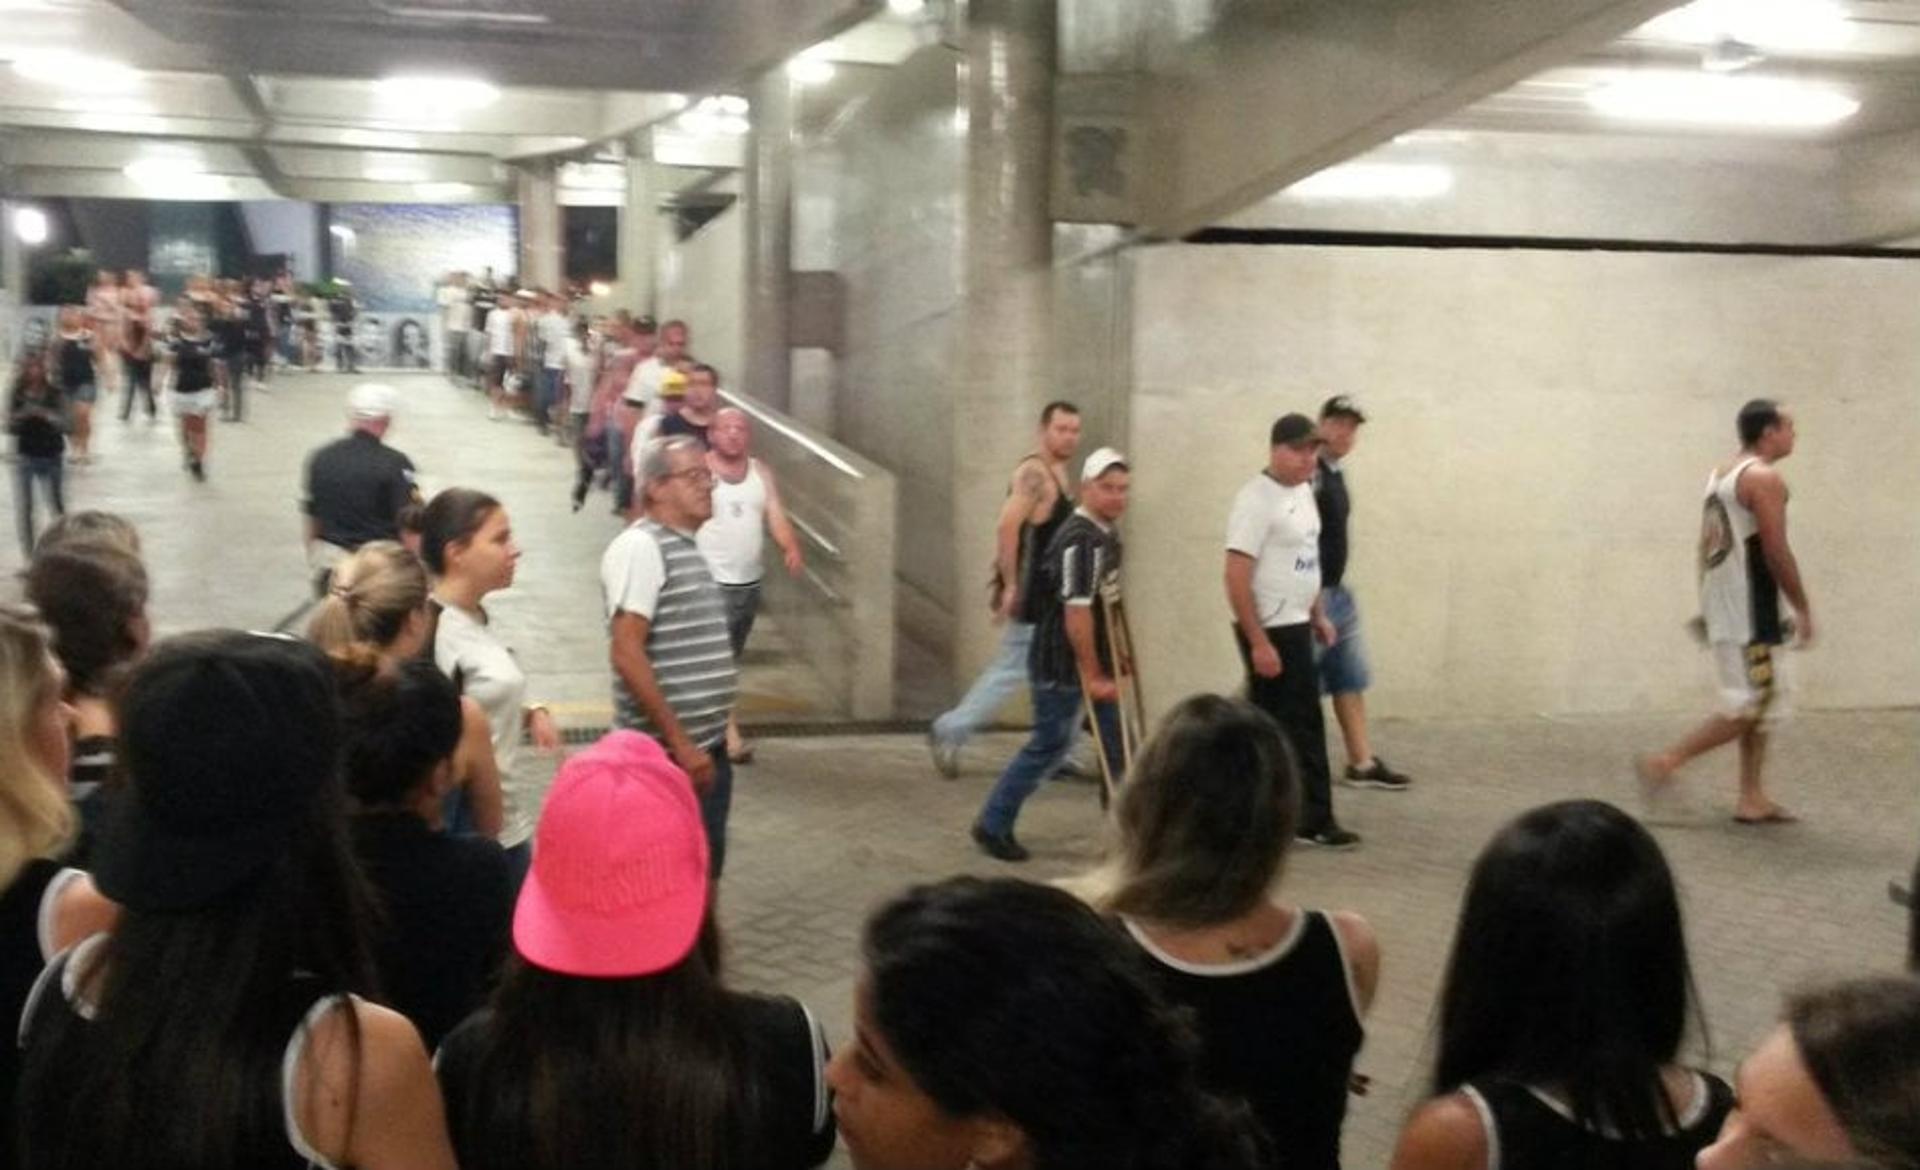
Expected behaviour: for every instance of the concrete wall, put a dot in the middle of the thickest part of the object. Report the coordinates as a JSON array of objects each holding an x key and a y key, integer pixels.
[
  {"x": 1595, "y": 186},
  {"x": 1527, "y": 493},
  {"x": 700, "y": 283}
]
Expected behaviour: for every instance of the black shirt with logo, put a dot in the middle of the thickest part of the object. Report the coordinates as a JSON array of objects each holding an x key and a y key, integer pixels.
[
  {"x": 193, "y": 363},
  {"x": 1081, "y": 567}
]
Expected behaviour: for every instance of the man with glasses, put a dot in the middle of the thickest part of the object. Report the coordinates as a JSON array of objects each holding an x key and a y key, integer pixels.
[{"x": 673, "y": 671}]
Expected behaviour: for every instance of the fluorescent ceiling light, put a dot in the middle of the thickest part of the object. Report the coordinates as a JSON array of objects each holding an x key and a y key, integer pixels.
[
  {"x": 1769, "y": 24},
  {"x": 812, "y": 67},
  {"x": 1706, "y": 99},
  {"x": 1370, "y": 180},
  {"x": 122, "y": 123},
  {"x": 163, "y": 168},
  {"x": 469, "y": 16},
  {"x": 439, "y": 94},
  {"x": 906, "y": 7},
  {"x": 30, "y": 225},
  {"x": 443, "y": 190},
  {"x": 732, "y": 103},
  {"x": 76, "y": 71}
]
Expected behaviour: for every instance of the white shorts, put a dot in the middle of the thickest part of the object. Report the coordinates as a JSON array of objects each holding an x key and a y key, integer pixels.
[
  {"x": 1752, "y": 680},
  {"x": 199, "y": 403}
]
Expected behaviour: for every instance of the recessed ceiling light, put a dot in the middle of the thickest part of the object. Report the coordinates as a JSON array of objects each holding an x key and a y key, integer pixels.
[
  {"x": 1375, "y": 181},
  {"x": 1706, "y": 99},
  {"x": 1769, "y": 24},
  {"x": 76, "y": 71},
  {"x": 439, "y": 94},
  {"x": 906, "y": 7},
  {"x": 30, "y": 226}
]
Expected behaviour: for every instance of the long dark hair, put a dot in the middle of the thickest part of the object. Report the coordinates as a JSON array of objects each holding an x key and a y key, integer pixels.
[
  {"x": 644, "y": 1073},
  {"x": 1860, "y": 1041},
  {"x": 181, "y": 1063},
  {"x": 1569, "y": 969},
  {"x": 452, "y": 516},
  {"x": 1206, "y": 817},
  {"x": 1001, "y": 997}
]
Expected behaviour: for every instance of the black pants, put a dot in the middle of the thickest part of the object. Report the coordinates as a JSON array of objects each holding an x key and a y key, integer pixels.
[
  {"x": 139, "y": 382},
  {"x": 1293, "y": 700}
]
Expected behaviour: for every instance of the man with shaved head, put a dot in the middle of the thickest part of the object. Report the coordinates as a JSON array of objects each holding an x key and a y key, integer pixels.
[{"x": 746, "y": 507}]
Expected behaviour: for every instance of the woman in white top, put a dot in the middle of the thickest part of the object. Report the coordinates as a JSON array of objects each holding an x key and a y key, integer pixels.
[{"x": 467, "y": 542}]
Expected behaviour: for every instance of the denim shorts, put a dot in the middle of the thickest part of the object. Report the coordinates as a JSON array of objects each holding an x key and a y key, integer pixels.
[
  {"x": 1343, "y": 665},
  {"x": 85, "y": 392}
]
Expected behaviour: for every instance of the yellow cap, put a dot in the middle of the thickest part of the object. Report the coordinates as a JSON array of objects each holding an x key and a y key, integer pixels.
[{"x": 673, "y": 384}]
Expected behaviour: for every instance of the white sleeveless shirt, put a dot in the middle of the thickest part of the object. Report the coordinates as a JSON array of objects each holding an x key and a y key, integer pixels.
[
  {"x": 734, "y": 538},
  {"x": 1733, "y": 573}
]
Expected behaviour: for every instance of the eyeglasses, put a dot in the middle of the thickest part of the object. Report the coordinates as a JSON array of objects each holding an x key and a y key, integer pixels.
[{"x": 693, "y": 475}]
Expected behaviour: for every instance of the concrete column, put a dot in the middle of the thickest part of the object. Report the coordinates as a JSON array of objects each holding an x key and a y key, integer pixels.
[
  {"x": 542, "y": 259},
  {"x": 13, "y": 259},
  {"x": 639, "y": 229},
  {"x": 768, "y": 274},
  {"x": 1005, "y": 342}
]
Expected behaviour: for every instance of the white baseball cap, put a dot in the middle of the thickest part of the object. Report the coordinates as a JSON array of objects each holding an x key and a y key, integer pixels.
[
  {"x": 372, "y": 400},
  {"x": 1101, "y": 462}
]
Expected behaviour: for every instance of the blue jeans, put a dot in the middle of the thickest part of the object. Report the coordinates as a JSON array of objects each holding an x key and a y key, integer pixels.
[
  {"x": 1004, "y": 676},
  {"x": 50, "y": 470},
  {"x": 547, "y": 396},
  {"x": 1056, "y": 714},
  {"x": 714, "y": 807},
  {"x": 619, "y": 470}
]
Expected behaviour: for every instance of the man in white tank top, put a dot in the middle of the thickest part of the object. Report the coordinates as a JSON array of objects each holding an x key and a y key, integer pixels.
[
  {"x": 1745, "y": 567},
  {"x": 746, "y": 507}
]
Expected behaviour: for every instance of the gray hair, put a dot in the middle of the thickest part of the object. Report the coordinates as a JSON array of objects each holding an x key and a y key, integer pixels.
[{"x": 656, "y": 458}]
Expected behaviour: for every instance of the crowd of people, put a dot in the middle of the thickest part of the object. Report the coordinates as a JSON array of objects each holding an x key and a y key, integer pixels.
[{"x": 268, "y": 900}]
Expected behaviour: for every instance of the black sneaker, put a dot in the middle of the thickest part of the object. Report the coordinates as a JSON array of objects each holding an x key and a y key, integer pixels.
[
  {"x": 999, "y": 846},
  {"x": 197, "y": 469},
  {"x": 1329, "y": 837},
  {"x": 1377, "y": 775}
]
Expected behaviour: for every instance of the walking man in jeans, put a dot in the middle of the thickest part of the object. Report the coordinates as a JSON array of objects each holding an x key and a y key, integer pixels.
[
  {"x": 1273, "y": 590},
  {"x": 1343, "y": 664},
  {"x": 1071, "y": 649},
  {"x": 1038, "y": 503}
]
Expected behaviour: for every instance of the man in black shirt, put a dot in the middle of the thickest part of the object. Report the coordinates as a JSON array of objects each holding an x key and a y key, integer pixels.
[
  {"x": 1343, "y": 665},
  {"x": 356, "y": 486},
  {"x": 1071, "y": 649}
]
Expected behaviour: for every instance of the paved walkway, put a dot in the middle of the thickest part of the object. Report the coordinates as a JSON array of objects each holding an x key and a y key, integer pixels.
[{"x": 827, "y": 826}]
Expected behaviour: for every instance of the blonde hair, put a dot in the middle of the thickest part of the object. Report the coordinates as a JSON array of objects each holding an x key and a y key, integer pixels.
[
  {"x": 35, "y": 819},
  {"x": 373, "y": 593}
]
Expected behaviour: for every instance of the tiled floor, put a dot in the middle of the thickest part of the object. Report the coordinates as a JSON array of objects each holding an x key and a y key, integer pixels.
[{"x": 825, "y": 827}]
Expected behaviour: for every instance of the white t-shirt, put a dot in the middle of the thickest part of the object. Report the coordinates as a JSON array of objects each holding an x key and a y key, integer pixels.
[
  {"x": 734, "y": 537},
  {"x": 500, "y": 324},
  {"x": 1279, "y": 527},
  {"x": 580, "y": 375},
  {"x": 555, "y": 332},
  {"x": 491, "y": 676},
  {"x": 451, "y": 298},
  {"x": 632, "y": 571},
  {"x": 644, "y": 384}
]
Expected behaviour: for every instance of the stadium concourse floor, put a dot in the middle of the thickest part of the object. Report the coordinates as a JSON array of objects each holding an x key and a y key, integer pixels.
[{"x": 827, "y": 824}]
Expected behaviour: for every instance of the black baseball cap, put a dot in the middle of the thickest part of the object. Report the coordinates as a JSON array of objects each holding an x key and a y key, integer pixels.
[
  {"x": 1295, "y": 430},
  {"x": 1341, "y": 406},
  {"x": 228, "y": 740}
]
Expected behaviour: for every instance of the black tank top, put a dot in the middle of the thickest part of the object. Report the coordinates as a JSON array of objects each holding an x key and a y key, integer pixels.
[
  {"x": 54, "y": 1055},
  {"x": 1279, "y": 1031},
  {"x": 1527, "y": 1132},
  {"x": 1034, "y": 539}
]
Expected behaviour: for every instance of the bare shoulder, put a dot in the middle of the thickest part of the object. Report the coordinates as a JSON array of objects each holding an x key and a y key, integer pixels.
[
  {"x": 1361, "y": 946},
  {"x": 80, "y": 912},
  {"x": 1446, "y": 1133},
  {"x": 346, "y": 1092}
]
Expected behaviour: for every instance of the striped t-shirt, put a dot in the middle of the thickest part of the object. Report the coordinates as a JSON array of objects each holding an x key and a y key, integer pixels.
[{"x": 659, "y": 574}]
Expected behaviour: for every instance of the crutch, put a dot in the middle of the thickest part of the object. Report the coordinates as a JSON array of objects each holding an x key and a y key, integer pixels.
[{"x": 1129, "y": 704}]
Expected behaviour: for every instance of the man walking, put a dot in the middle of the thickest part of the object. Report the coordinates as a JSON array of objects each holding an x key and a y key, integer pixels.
[
  {"x": 673, "y": 671},
  {"x": 1072, "y": 653},
  {"x": 1745, "y": 566},
  {"x": 1273, "y": 591},
  {"x": 746, "y": 508},
  {"x": 356, "y": 486},
  {"x": 1343, "y": 664},
  {"x": 1038, "y": 503}
]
